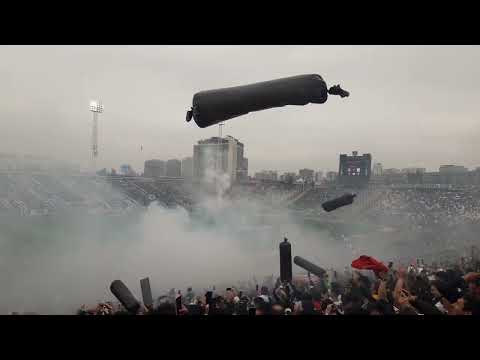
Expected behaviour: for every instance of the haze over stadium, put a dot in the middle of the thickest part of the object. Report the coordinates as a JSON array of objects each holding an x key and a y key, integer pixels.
[
  {"x": 412, "y": 116},
  {"x": 405, "y": 97}
]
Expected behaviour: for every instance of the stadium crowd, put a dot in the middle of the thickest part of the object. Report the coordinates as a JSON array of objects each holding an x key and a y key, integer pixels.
[
  {"x": 429, "y": 208},
  {"x": 421, "y": 208},
  {"x": 270, "y": 192},
  {"x": 447, "y": 288},
  {"x": 314, "y": 198}
]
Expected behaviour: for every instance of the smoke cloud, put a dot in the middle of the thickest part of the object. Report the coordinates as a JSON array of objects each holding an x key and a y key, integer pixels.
[{"x": 53, "y": 264}]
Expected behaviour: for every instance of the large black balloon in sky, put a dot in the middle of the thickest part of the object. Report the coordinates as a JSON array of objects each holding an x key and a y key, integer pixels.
[{"x": 214, "y": 106}]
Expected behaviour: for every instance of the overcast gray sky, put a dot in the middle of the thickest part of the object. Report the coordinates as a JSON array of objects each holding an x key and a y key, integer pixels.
[{"x": 409, "y": 105}]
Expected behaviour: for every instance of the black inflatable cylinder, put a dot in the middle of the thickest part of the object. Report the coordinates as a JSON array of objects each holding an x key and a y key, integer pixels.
[
  {"x": 126, "y": 298},
  {"x": 307, "y": 265},
  {"x": 146, "y": 292},
  {"x": 343, "y": 200},
  {"x": 285, "y": 261},
  {"x": 214, "y": 106}
]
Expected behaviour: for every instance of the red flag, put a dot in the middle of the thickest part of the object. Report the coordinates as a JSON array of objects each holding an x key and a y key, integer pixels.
[{"x": 368, "y": 263}]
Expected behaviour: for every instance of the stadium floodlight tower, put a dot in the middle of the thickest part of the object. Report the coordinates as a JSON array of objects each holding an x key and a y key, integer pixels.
[
  {"x": 96, "y": 108},
  {"x": 219, "y": 152}
]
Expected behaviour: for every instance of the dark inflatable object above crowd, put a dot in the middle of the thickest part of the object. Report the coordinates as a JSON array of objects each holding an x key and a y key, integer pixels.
[
  {"x": 214, "y": 106},
  {"x": 343, "y": 200},
  {"x": 125, "y": 296}
]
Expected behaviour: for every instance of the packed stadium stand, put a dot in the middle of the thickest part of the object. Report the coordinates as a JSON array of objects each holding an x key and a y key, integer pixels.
[
  {"x": 31, "y": 193},
  {"x": 419, "y": 206}
]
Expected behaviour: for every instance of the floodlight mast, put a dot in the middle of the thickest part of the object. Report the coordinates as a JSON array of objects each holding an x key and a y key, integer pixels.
[
  {"x": 220, "y": 147},
  {"x": 96, "y": 108}
]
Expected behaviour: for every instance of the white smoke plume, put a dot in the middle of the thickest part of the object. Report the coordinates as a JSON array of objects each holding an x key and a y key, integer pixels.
[{"x": 54, "y": 264}]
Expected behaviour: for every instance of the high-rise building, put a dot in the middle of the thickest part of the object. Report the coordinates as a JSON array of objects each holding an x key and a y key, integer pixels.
[
  {"x": 413, "y": 170},
  {"x": 288, "y": 177},
  {"x": 187, "y": 168},
  {"x": 306, "y": 174},
  {"x": 415, "y": 177},
  {"x": 242, "y": 162},
  {"x": 127, "y": 170},
  {"x": 377, "y": 169},
  {"x": 174, "y": 168},
  {"x": 218, "y": 156},
  {"x": 453, "y": 174},
  {"x": 242, "y": 174},
  {"x": 266, "y": 175},
  {"x": 331, "y": 176},
  {"x": 318, "y": 176},
  {"x": 154, "y": 168},
  {"x": 242, "y": 170},
  {"x": 392, "y": 171},
  {"x": 452, "y": 169}
]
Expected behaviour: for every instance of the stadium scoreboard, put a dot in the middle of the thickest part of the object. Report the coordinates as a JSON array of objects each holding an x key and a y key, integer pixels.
[{"x": 354, "y": 169}]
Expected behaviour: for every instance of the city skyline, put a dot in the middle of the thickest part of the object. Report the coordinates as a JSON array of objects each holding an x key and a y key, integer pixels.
[{"x": 410, "y": 106}]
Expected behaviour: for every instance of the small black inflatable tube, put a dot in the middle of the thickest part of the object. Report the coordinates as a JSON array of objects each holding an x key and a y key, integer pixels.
[
  {"x": 343, "y": 200},
  {"x": 310, "y": 267},
  {"x": 124, "y": 295}
]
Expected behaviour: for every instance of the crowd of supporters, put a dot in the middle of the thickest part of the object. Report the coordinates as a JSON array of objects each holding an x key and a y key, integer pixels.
[
  {"x": 171, "y": 194},
  {"x": 314, "y": 198},
  {"x": 46, "y": 194},
  {"x": 429, "y": 208},
  {"x": 265, "y": 191},
  {"x": 38, "y": 194},
  {"x": 447, "y": 288},
  {"x": 421, "y": 208}
]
